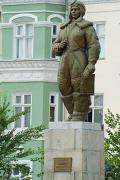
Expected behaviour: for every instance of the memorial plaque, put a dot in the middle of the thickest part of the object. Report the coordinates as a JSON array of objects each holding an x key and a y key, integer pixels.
[{"x": 62, "y": 164}]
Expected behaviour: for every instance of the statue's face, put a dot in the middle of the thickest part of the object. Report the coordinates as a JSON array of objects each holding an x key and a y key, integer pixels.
[{"x": 75, "y": 12}]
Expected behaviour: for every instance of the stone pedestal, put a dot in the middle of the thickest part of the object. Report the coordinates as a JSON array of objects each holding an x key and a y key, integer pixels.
[{"x": 83, "y": 142}]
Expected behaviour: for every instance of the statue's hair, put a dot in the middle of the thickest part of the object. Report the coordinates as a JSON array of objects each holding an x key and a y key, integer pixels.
[{"x": 80, "y": 5}]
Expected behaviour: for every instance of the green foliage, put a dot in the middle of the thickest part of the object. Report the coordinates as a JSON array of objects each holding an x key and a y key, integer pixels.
[
  {"x": 10, "y": 141},
  {"x": 112, "y": 146}
]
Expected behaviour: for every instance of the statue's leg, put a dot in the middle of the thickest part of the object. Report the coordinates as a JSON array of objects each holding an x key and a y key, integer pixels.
[
  {"x": 65, "y": 87},
  {"x": 81, "y": 106},
  {"x": 81, "y": 101},
  {"x": 68, "y": 102},
  {"x": 66, "y": 94}
]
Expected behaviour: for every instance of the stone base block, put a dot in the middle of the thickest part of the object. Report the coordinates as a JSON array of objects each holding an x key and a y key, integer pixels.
[{"x": 84, "y": 143}]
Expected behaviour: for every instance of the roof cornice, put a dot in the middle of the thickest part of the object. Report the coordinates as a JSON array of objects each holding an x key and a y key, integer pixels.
[
  {"x": 14, "y": 2},
  {"x": 99, "y": 1}
]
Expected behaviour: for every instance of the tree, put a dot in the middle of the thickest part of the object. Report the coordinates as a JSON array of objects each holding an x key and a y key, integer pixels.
[
  {"x": 10, "y": 142},
  {"x": 112, "y": 146}
]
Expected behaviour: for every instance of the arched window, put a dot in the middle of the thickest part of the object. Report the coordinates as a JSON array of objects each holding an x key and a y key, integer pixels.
[
  {"x": 23, "y": 41},
  {"x": 56, "y": 20},
  {"x": 23, "y": 35},
  {"x": 55, "y": 31}
]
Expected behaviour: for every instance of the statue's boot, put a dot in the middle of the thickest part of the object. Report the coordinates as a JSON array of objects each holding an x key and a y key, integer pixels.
[
  {"x": 81, "y": 107},
  {"x": 68, "y": 103}
]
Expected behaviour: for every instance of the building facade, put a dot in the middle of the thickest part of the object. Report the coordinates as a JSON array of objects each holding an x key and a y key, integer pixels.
[
  {"x": 106, "y": 16},
  {"x": 28, "y": 69}
]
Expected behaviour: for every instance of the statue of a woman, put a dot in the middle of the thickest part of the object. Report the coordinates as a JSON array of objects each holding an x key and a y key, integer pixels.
[{"x": 79, "y": 48}]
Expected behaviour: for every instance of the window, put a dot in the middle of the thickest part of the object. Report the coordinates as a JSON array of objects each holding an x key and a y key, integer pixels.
[
  {"x": 22, "y": 102},
  {"x": 55, "y": 30},
  {"x": 100, "y": 29},
  {"x": 24, "y": 41},
  {"x": 53, "y": 107},
  {"x": 96, "y": 109},
  {"x": 17, "y": 173}
]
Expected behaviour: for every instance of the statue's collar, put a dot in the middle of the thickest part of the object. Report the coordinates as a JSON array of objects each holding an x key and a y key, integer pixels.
[
  {"x": 82, "y": 23},
  {"x": 78, "y": 20}
]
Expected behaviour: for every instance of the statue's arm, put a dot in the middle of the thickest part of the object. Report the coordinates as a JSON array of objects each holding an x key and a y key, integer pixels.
[
  {"x": 55, "y": 45},
  {"x": 59, "y": 45},
  {"x": 93, "y": 50}
]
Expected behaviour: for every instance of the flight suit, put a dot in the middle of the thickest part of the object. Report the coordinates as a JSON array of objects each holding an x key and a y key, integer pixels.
[{"x": 77, "y": 65}]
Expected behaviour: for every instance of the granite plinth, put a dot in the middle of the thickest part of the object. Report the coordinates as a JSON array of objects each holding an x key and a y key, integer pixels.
[{"x": 83, "y": 142}]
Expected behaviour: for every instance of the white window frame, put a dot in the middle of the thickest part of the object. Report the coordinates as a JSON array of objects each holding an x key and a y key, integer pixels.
[
  {"x": 24, "y": 37},
  {"x": 103, "y": 36},
  {"x": 93, "y": 107},
  {"x": 24, "y": 162},
  {"x": 55, "y": 105},
  {"x": 14, "y": 104},
  {"x": 54, "y": 36}
]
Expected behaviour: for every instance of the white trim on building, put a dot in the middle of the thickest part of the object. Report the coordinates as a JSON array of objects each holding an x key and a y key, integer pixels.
[
  {"x": 55, "y": 16},
  {"x": 5, "y": 2},
  {"x": 21, "y": 101},
  {"x": 23, "y": 15},
  {"x": 35, "y": 11},
  {"x": 53, "y": 107},
  {"x": 24, "y": 162},
  {"x": 29, "y": 70}
]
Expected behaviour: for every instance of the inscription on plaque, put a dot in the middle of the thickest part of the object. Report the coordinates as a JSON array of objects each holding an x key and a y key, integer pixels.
[{"x": 62, "y": 164}]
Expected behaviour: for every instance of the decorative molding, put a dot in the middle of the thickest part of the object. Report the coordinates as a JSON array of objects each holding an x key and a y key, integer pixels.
[
  {"x": 40, "y": 11},
  {"x": 36, "y": 24},
  {"x": 43, "y": 24},
  {"x": 55, "y": 16},
  {"x": 6, "y": 25},
  {"x": 11, "y": 2},
  {"x": 101, "y": 11},
  {"x": 23, "y": 15},
  {"x": 27, "y": 71},
  {"x": 61, "y": 2},
  {"x": 96, "y": 1},
  {"x": 100, "y": 1}
]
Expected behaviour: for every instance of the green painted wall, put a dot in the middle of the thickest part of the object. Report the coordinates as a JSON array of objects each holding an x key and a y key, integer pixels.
[
  {"x": 40, "y": 98},
  {"x": 40, "y": 108},
  {"x": 7, "y": 43},
  {"x": 33, "y": 7},
  {"x": 42, "y": 35},
  {"x": 41, "y": 47},
  {"x": 42, "y": 43},
  {"x": 41, "y": 16},
  {"x": 42, "y": 50},
  {"x": 30, "y": 7},
  {"x": 36, "y": 89},
  {"x": 55, "y": 19},
  {"x": 23, "y": 19},
  {"x": 39, "y": 43},
  {"x": 37, "y": 167},
  {"x": 0, "y": 44},
  {"x": 48, "y": 40},
  {"x": 50, "y": 87}
]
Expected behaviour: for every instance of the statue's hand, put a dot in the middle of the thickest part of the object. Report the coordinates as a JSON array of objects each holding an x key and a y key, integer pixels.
[
  {"x": 90, "y": 69},
  {"x": 63, "y": 45}
]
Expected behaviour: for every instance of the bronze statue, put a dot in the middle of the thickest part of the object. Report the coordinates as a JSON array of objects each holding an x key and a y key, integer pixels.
[{"x": 79, "y": 48}]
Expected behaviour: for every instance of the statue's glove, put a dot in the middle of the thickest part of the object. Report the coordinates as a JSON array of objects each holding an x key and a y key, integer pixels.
[
  {"x": 62, "y": 46},
  {"x": 90, "y": 69},
  {"x": 59, "y": 48}
]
